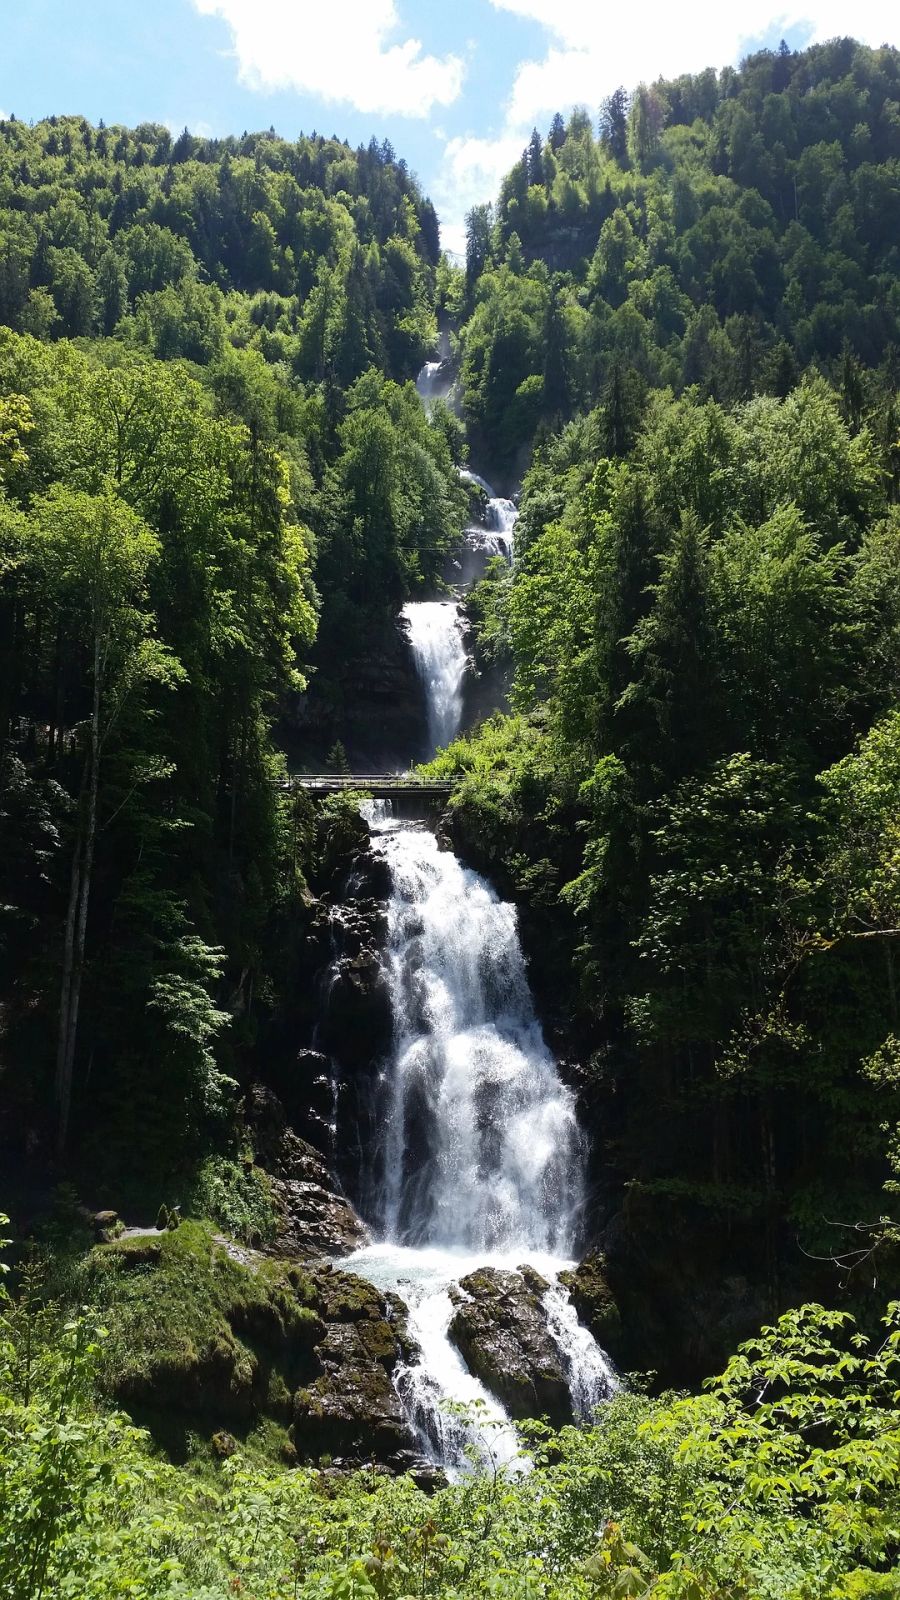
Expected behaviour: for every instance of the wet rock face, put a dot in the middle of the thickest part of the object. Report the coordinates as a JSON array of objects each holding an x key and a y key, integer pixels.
[
  {"x": 356, "y": 1020},
  {"x": 683, "y": 1307},
  {"x": 500, "y": 1330},
  {"x": 351, "y": 1409},
  {"x": 370, "y": 699},
  {"x": 338, "y": 1010},
  {"x": 314, "y": 1221},
  {"x": 307, "y": 1092},
  {"x": 594, "y": 1301}
]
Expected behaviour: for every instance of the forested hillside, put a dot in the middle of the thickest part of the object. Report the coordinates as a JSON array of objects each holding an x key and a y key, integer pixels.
[
  {"x": 208, "y": 448},
  {"x": 388, "y": 1186},
  {"x": 724, "y": 232}
]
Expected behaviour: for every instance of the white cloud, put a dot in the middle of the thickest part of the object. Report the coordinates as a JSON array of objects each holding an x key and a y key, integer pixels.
[
  {"x": 340, "y": 52},
  {"x": 593, "y": 47},
  {"x": 471, "y": 172},
  {"x": 199, "y": 128}
]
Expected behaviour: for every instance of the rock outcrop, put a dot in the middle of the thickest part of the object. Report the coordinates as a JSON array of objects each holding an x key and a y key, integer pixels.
[
  {"x": 500, "y": 1329},
  {"x": 356, "y": 1022},
  {"x": 594, "y": 1301},
  {"x": 351, "y": 1409},
  {"x": 308, "y": 1091},
  {"x": 209, "y": 1337},
  {"x": 314, "y": 1221},
  {"x": 369, "y": 696}
]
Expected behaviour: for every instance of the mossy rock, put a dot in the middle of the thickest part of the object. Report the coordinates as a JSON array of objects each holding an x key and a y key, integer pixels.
[
  {"x": 500, "y": 1329},
  {"x": 344, "y": 1297},
  {"x": 207, "y": 1338},
  {"x": 194, "y": 1331},
  {"x": 352, "y": 1409}
]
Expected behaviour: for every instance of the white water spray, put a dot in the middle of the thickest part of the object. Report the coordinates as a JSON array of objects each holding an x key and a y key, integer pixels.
[
  {"x": 434, "y": 381},
  {"x": 481, "y": 1161},
  {"x": 482, "y": 1150},
  {"x": 435, "y": 634},
  {"x": 496, "y": 537},
  {"x": 587, "y": 1367}
]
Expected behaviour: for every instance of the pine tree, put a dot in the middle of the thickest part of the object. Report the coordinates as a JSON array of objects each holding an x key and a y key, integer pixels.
[
  {"x": 337, "y": 760},
  {"x": 614, "y": 126},
  {"x": 535, "y": 159}
]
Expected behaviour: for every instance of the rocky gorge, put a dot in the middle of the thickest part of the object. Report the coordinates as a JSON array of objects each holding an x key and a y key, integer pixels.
[{"x": 415, "y": 1129}]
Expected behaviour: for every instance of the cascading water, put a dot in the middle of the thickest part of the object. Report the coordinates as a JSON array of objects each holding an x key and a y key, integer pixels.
[
  {"x": 435, "y": 634},
  {"x": 434, "y": 381},
  {"x": 482, "y": 1149},
  {"x": 496, "y": 537},
  {"x": 481, "y": 1159}
]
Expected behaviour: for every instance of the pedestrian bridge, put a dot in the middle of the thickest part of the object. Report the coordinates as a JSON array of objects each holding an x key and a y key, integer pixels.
[{"x": 380, "y": 785}]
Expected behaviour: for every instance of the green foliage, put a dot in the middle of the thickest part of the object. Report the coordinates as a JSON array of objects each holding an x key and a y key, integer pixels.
[
  {"x": 317, "y": 255},
  {"x": 780, "y": 1481},
  {"x": 231, "y": 461},
  {"x": 236, "y": 1195},
  {"x": 203, "y": 1335},
  {"x": 727, "y": 231}
]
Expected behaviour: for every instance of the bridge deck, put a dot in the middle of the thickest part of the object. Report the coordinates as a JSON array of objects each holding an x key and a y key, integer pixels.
[{"x": 381, "y": 785}]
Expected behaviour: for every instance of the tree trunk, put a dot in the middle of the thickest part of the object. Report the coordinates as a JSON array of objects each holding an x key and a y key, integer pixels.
[
  {"x": 8, "y": 657},
  {"x": 76, "y": 920}
]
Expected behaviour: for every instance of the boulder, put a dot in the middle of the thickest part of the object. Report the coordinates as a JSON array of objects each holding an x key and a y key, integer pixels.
[
  {"x": 107, "y": 1226},
  {"x": 500, "y": 1329},
  {"x": 210, "y": 1342},
  {"x": 313, "y": 1221},
  {"x": 351, "y": 1409}
]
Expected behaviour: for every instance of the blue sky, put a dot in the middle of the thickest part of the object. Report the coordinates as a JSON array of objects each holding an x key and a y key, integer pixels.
[{"x": 455, "y": 86}]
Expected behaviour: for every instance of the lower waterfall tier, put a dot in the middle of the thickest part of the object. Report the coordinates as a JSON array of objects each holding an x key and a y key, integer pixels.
[
  {"x": 480, "y": 1148},
  {"x": 474, "y": 1188},
  {"x": 496, "y": 1340}
]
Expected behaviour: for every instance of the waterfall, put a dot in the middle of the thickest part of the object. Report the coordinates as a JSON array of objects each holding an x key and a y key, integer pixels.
[
  {"x": 591, "y": 1378},
  {"x": 434, "y": 381},
  {"x": 480, "y": 1160},
  {"x": 503, "y": 514},
  {"x": 435, "y": 634},
  {"x": 495, "y": 538},
  {"x": 481, "y": 1149}
]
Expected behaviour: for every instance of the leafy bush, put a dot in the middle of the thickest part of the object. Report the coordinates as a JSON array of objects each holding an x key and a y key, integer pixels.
[{"x": 779, "y": 1483}]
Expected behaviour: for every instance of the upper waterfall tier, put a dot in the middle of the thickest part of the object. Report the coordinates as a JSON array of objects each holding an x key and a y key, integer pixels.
[{"x": 435, "y": 634}]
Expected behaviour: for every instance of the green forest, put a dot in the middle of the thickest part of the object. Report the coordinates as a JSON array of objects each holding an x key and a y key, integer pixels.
[{"x": 675, "y": 339}]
